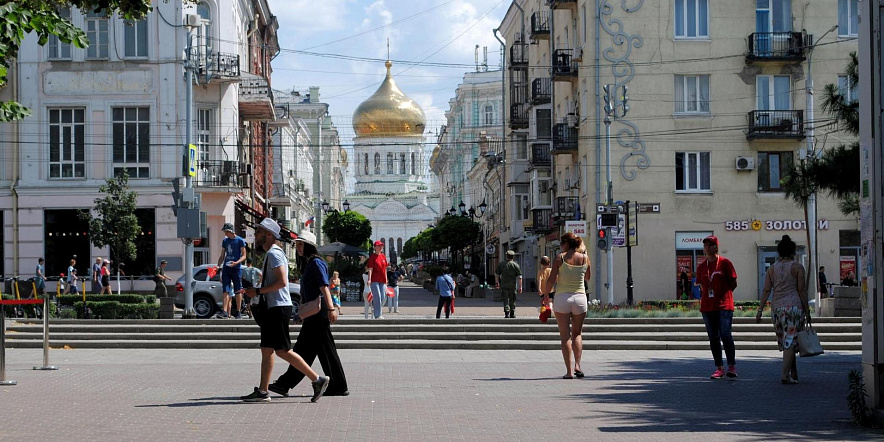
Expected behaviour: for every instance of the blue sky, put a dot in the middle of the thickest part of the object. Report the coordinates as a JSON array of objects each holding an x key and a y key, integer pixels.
[{"x": 430, "y": 31}]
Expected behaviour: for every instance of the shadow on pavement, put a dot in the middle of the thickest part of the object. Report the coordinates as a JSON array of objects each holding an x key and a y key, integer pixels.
[{"x": 225, "y": 400}]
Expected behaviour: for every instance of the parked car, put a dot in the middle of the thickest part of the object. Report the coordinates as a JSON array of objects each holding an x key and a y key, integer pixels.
[{"x": 208, "y": 297}]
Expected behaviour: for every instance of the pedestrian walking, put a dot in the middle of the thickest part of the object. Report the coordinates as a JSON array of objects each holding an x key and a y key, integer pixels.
[
  {"x": 471, "y": 283},
  {"x": 685, "y": 282},
  {"x": 445, "y": 285},
  {"x": 824, "y": 291},
  {"x": 72, "y": 279},
  {"x": 96, "y": 275},
  {"x": 334, "y": 287},
  {"x": 315, "y": 338},
  {"x": 105, "y": 278},
  {"x": 543, "y": 276},
  {"x": 366, "y": 295},
  {"x": 393, "y": 278},
  {"x": 274, "y": 322},
  {"x": 40, "y": 276},
  {"x": 233, "y": 253},
  {"x": 160, "y": 279},
  {"x": 718, "y": 279},
  {"x": 568, "y": 273},
  {"x": 784, "y": 283},
  {"x": 377, "y": 275},
  {"x": 509, "y": 281}
]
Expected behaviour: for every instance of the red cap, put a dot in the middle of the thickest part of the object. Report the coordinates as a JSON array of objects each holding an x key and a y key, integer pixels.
[
  {"x": 378, "y": 243},
  {"x": 711, "y": 239}
]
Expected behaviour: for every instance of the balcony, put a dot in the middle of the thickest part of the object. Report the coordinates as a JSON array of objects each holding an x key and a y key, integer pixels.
[
  {"x": 564, "y": 139},
  {"x": 255, "y": 99},
  {"x": 215, "y": 66},
  {"x": 562, "y": 4},
  {"x": 224, "y": 176},
  {"x": 540, "y": 155},
  {"x": 541, "y": 90},
  {"x": 540, "y": 25},
  {"x": 542, "y": 221},
  {"x": 519, "y": 54},
  {"x": 566, "y": 208},
  {"x": 519, "y": 116},
  {"x": 776, "y": 46},
  {"x": 564, "y": 67},
  {"x": 776, "y": 124}
]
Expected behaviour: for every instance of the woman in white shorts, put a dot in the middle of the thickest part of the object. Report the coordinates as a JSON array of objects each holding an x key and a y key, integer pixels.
[{"x": 570, "y": 269}]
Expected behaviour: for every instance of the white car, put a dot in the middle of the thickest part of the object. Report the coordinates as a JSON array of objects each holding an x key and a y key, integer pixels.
[{"x": 208, "y": 297}]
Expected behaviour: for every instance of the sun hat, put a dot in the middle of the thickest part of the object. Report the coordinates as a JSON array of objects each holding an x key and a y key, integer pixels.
[
  {"x": 307, "y": 238},
  {"x": 270, "y": 226}
]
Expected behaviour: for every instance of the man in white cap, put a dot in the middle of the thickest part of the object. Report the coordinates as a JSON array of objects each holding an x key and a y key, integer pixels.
[
  {"x": 274, "y": 322},
  {"x": 233, "y": 253}
]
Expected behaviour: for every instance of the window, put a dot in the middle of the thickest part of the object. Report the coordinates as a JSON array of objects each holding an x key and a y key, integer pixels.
[
  {"x": 489, "y": 115},
  {"x": 773, "y": 92},
  {"x": 542, "y": 192},
  {"x": 377, "y": 163},
  {"x": 135, "y": 38},
  {"x": 521, "y": 204},
  {"x": 205, "y": 31},
  {"x": 365, "y": 164},
  {"x": 59, "y": 50},
  {"x": 413, "y": 164},
  {"x": 401, "y": 164},
  {"x": 692, "y": 171},
  {"x": 131, "y": 141},
  {"x": 848, "y": 89},
  {"x": 691, "y": 18},
  {"x": 691, "y": 94},
  {"x": 96, "y": 31},
  {"x": 204, "y": 133},
  {"x": 67, "y": 145},
  {"x": 772, "y": 167},
  {"x": 521, "y": 146},
  {"x": 773, "y": 16},
  {"x": 390, "y": 170},
  {"x": 544, "y": 124},
  {"x": 848, "y": 18}
]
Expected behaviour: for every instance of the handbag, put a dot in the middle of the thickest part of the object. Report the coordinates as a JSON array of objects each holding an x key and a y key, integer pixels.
[
  {"x": 310, "y": 308},
  {"x": 809, "y": 342}
]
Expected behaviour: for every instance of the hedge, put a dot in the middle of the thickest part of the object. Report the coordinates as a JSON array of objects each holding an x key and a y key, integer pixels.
[
  {"x": 117, "y": 310},
  {"x": 130, "y": 298}
]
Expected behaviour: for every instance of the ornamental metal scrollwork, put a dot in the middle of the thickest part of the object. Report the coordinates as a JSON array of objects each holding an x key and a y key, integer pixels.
[{"x": 623, "y": 71}]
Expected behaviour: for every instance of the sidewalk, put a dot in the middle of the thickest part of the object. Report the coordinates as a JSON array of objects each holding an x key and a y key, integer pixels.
[{"x": 112, "y": 395}]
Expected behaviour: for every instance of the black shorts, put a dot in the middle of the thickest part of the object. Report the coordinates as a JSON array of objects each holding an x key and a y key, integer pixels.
[{"x": 274, "y": 327}]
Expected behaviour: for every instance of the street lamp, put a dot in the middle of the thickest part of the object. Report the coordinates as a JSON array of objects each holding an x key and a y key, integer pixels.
[
  {"x": 482, "y": 208},
  {"x": 452, "y": 212},
  {"x": 462, "y": 208},
  {"x": 346, "y": 206},
  {"x": 325, "y": 206}
]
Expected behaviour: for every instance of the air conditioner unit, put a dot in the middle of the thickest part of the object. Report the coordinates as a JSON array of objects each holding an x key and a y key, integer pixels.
[
  {"x": 745, "y": 163},
  {"x": 193, "y": 20}
]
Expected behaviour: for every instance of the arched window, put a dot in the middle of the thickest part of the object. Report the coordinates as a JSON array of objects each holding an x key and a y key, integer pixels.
[
  {"x": 365, "y": 165},
  {"x": 377, "y": 163},
  {"x": 412, "y": 164},
  {"x": 390, "y": 170},
  {"x": 205, "y": 32},
  {"x": 489, "y": 115},
  {"x": 401, "y": 164},
  {"x": 399, "y": 245}
]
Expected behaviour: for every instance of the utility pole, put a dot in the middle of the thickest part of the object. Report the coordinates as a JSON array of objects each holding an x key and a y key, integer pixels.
[
  {"x": 611, "y": 105},
  {"x": 317, "y": 182}
]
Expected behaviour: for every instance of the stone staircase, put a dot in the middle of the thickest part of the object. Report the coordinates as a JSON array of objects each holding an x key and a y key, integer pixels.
[{"x": 473, "y": 333}]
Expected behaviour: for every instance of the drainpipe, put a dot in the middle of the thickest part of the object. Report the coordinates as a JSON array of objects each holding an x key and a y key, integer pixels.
[
  {"x": 503, "y": 91},
  {"x": 15, "y": 175},
  {"x": 598, "y": 141}
]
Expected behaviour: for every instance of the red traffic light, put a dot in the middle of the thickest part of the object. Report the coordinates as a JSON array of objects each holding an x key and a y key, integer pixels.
[{"x": 601, "y": 234}]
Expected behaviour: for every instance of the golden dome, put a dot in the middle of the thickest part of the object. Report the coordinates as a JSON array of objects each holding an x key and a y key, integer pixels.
[{"x": 388, "y": 113}]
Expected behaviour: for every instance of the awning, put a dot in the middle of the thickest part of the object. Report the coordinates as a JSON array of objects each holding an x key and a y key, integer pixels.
[{"x": 253, "y": 217}]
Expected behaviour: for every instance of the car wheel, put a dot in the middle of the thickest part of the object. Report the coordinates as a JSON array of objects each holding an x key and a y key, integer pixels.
[{"x": 203, "y": 306}]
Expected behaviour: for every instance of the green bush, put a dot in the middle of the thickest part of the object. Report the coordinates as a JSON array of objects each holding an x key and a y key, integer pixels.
[
  {"x": 118, "y": 310},
  {"x": 138, "y": 311},
  {"x": 130, "y": 298},
  {"x": 150, "y": 299}
]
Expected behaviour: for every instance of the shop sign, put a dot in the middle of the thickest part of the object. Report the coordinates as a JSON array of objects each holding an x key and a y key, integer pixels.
[
  {"x": 690, "y": 240},
  {"x": 578, "y": 228},
  {"x": 773, "y": 225},
  {"x": 847, "y": 266}
]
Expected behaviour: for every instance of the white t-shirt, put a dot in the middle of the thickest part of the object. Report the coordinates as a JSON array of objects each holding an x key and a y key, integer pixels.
[{"x": 275, "y": 258}]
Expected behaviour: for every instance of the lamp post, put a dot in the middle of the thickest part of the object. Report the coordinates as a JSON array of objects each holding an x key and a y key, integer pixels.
[
  {"x": 612, "y": 103},
  {"x": 346, "y": 206},
  {"x": 811, "y": 156}
]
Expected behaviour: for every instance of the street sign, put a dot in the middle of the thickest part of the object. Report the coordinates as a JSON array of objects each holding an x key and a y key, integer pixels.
[
  {"x": 578, "y": 228},
  {"x": 191, "y": 160},
  {"x": 633, "y": 224}
]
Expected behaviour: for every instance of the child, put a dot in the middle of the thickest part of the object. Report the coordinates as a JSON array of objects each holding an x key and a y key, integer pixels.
[
  {"x": 335, "y": 288},
  {"x": 366, "y": 294}
]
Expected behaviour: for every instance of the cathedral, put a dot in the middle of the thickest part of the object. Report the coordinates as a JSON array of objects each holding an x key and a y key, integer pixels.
[{"x": 391, "y": 187}]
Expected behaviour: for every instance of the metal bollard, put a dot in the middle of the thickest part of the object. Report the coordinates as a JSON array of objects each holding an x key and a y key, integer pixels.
[
  {"x": 3, "y": 380},
  {"x": 45, "y": 365}
]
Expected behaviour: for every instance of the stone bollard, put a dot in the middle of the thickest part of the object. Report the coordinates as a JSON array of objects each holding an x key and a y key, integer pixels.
[{"x": 167, "y": 307}]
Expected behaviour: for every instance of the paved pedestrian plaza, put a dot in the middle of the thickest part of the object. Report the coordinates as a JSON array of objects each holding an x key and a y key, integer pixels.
[{"x": 158, "y": 395}]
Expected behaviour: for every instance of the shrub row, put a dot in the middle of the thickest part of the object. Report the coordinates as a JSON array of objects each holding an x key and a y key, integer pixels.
[
  {"x": 129, "y": 298},
  {"x": 117, "y": 310},
  {"x": 693, "y": 304}
]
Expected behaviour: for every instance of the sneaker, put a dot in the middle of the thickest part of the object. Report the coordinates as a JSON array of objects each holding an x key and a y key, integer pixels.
[
  {"x": 319, "y": 386},
  {"x": 337, "y": 393},
  {"x": 731, "y": 371},
  {"x": 238, "y": 316},
  {"x": 380, "y": 317},
  {"x": 396, "y": 311},
  {"x": 719, "y": 373},
  {"x": 257, "y": 396},
  {"x": 278, "y": 389}
]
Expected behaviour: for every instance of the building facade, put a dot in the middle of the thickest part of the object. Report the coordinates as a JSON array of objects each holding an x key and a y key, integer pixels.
[{"x": 717, "y": 112}]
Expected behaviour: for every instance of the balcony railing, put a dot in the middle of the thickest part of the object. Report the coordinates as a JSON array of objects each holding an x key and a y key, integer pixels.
[
  {"x": 256, "y": 99},
  {"x": 221, "y": 65},
  {"x": 562, "y": 4},
  {"x": 543, "y": 221},
  {"x": 540, "y": 155},
  {"x": 519, "y": 116},
  {"x": 777, "y": 46},
  {"x": 540, "y": 25},
  {"x": 541, "y": 90},
  {"x": 519, "y": 53},
  {"x": 218, "y": 174},
  {"x": 566, "y": 208},
  {"x": 563, "y": 65},
  {"x": 564, "y": 139},
  {"x": 776, "y": 124}
]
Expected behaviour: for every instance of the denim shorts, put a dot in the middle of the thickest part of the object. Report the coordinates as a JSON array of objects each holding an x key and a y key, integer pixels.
[{"x": 231, "y": 276}]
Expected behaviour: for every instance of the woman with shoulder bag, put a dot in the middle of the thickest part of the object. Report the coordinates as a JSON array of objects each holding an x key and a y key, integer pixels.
[
  {"x": 785, "y": 279},
  {"x": 318, "y": 313}
]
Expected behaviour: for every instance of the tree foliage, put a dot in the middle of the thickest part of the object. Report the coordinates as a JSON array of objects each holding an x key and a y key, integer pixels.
[
  {"x": 41, "y": 17},
  {"x": 347, "y": 227},
  {"x": 456, "y": 232},
  {"x": 116, "y": 224},
  {"x": 423, "y": 242}
]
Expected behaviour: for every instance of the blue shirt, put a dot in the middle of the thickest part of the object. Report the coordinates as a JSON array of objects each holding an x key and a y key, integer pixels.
[
  {"x": 445, "y": 285},
  {"x": 314, "y": 278},
  {"x": 232, "y": 249},
  {"x": 276, "y": 258}
]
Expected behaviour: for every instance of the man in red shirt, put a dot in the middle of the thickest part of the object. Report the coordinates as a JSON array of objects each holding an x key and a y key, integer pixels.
[
  {"x": 718, "y": 279},
  {"x": 377, "y": 277}
]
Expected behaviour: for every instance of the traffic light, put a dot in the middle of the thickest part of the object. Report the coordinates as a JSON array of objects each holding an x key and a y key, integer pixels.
[{"x": 602, "y": 237}]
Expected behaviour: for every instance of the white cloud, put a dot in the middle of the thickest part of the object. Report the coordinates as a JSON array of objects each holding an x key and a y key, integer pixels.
[{"x": 310, "y": 16}]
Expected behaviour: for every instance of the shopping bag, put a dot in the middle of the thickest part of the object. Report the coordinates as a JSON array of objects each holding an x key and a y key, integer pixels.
[
  {"x": 809, "y": 342},
  {"x": 545, "y": 311},
  {"x": 390, "y": 292}
]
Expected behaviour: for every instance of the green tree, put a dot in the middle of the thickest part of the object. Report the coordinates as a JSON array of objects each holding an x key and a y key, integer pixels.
[
  {"x": 41, "y": 17},
  {"x": 116, "y": 224},
  {"x": 347, "y": 227}
]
